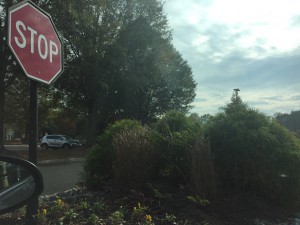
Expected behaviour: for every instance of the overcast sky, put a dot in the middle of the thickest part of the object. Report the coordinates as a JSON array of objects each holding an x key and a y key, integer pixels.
[{"x": 251, "y": 45}]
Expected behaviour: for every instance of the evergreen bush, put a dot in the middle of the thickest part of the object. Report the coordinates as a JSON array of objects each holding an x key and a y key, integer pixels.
[
  {"x": 201, "y": 168},
  {"x": 254, "y": 154},
  {"x": 134, "y": 161},
  {"x": 99, "y": 161},
  {"x": 176, "y": 134}
]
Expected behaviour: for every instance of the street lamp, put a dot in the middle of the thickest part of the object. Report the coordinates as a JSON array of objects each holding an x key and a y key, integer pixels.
[{"x": 236, "y": 91}]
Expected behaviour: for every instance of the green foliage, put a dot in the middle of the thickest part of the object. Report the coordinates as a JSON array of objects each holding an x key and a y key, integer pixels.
[
  {"x": 84, "y": 205},
  {"x": 290, "y": 121},
  {"x": 170, "y": 218},
  {"x": 132, "y": 155},
  {"x": 71, "y": 215},
  {"x": 98, "y": 206},
  {"x": 143, "y": 86},
  {"x": 251, "y": 153},
  {"x": 139, "y": 212},
  {"x": 120, "y": 62},
  {"x": 98, "y": 165},
  {"x": 99, "y": 160},
  {"x": 201, "y": 169},
  {"x": 106, "y": 139},
  {"x": 17, "y": 97},
  {"x": 176, "y": 133},
  {"x": 198, "y": 200},
  {"x": 41, "y": 217},
  {"x": 134, "y": 158},
  {"x": 93, "y": 219},
  {"x": 9, "y": 69},
  {"x": 117, "y": 218}
]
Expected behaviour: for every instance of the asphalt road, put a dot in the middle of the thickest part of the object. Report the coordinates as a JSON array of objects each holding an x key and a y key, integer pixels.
[
  {"x": 59, "y": 177},
  {"x": 17, "y": 147}
]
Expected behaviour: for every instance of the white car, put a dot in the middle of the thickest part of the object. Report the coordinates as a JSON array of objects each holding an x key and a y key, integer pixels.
[{"x": 58, "y": 141}]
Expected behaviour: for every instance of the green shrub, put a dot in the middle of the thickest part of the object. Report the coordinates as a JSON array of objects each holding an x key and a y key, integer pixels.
[
  {"x": 98, "y": 165},
  {"x": 201, "y": 167},
  {"x": 252, "y": 152},
  {"x": 131, "y": 154},
  {"x": 175, "y": 134},
  {"x": 134, "y": 157},
  {"x": 99, "y": 161}
]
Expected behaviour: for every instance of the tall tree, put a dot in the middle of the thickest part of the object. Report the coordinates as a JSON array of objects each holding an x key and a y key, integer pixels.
[
  {"x": 290, "y": 121},
  {"x": 16, "y": 107},
  {"x": 8, "y": 67},
  {"x": 149, "y": 76},
  {"x": 120, "y": 62}
]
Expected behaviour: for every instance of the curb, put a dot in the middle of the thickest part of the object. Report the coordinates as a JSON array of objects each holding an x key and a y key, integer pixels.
[{"x": 55, "y": 161}]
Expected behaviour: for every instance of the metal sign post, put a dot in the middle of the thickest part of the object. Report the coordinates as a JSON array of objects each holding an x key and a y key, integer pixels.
[
  {"x": 35, "y": 43},
  {"x": 33, "y": 122}
]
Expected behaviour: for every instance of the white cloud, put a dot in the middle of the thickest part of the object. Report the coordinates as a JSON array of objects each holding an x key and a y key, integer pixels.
[
  {"x": 253, "y": 45},
  {"x": 270, "y": 20}
]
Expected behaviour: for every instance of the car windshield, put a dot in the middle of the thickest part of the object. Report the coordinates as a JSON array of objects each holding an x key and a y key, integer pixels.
[{"x": 198, "y": 97}]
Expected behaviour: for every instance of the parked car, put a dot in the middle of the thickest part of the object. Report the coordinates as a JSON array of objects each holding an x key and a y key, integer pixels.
[{"x": 58, "y": 141}]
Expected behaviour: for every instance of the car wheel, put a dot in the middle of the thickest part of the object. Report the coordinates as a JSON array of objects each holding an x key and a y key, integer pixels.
[
  {"x": 66, "y": 146},
  {"x": 44, "y": 146}
]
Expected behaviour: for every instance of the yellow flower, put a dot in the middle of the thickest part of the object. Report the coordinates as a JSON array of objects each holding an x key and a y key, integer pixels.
[
  {"x": 148, "y": 218},
  {"x": 44, "y": 212},
  {"x": 59, "y": 202}
]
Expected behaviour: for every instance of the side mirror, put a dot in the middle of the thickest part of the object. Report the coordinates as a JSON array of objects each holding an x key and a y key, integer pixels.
[{"x": 20, "y": 181}]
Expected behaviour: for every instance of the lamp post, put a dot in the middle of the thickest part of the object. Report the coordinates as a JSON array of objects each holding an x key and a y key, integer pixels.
[
  {"x": 235, "y": 96},
  {"x": 236, "y": 90}
]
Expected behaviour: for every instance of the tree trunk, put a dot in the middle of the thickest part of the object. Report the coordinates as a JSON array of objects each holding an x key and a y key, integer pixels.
[{"x": 92, "y": 126}]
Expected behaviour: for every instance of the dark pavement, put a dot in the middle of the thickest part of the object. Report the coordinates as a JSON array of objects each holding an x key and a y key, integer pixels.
[
  {"x": 61, "y": 176},
  {"x": 22, "y": 147}
]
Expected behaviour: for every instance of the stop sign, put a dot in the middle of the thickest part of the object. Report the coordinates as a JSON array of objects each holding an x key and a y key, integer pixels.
[{"x": 34, "y": 41}]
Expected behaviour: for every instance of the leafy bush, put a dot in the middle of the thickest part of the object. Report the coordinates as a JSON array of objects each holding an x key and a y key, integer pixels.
[
  {"x": 99, "y": 160},
  {"x": 201, "y": 167},
  {"x": 176, "y": 133},
  {"x": 254, "y": 153},
  {"x": 131, "y": 154},
  {"x": 134, "y": 161},
  {"x": 98, "y": 165}
]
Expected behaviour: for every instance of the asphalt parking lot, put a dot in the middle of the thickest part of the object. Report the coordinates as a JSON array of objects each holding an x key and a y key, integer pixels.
[{"x": 62, "y": 169}]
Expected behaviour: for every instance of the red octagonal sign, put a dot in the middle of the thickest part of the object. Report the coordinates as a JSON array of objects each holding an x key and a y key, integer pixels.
[{"x": 35, "y": 43}]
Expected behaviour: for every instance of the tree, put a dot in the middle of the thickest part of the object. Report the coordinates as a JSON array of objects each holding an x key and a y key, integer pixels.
[
  {"x": 253, "y": 152},
  {"x": 150, "y": 77},
  {"x": 17, "y": 106},
  {"x": 290, "y": 121},
  {"x": 120, "y": 63},
  {"x": 8, "y": 67}
]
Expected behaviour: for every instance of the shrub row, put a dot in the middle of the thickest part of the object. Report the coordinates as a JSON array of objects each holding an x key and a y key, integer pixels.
[
  {"x": 247, "y": 152},
  {"x": 131, "y": 155}
]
